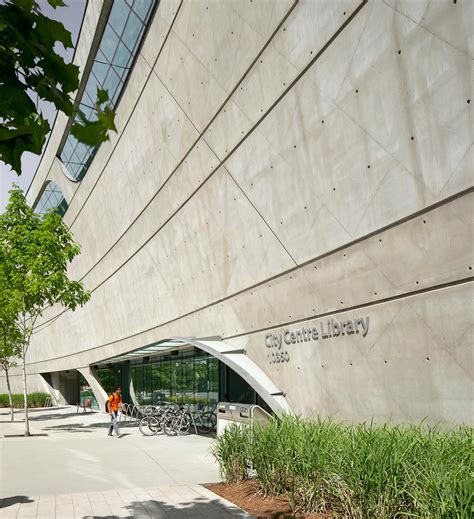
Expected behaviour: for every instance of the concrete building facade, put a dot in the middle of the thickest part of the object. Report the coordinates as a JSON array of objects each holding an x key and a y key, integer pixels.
[{"x": 289, "y": 191}]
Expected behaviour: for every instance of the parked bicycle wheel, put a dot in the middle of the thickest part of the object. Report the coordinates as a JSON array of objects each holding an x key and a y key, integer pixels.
[
  {"x": 177, "y": 425},
  {"x": 207, "y": 422},
  {"x": 149, "y": 426}
]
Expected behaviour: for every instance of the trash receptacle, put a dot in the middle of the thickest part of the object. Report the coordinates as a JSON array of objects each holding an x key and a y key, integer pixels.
[{"x": 239, "y": 414}]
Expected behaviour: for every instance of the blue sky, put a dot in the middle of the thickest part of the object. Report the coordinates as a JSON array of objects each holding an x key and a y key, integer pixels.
[{"x": 71, "y": 16}]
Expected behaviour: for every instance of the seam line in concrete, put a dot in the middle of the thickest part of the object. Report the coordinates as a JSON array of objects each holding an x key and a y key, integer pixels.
[{"x": 405, "y": 295}]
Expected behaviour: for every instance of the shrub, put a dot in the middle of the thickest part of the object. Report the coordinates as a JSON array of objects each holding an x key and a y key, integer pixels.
[
  {"x": 356, "y": 471},
  {"x": 36, "y": 399}
]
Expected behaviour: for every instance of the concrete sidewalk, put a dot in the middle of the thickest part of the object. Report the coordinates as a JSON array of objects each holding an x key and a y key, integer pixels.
[{"x": 76, "y": 470}]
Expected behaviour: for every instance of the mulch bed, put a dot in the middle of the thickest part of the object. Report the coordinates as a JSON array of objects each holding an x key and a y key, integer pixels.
[{"x": 246, "y": 495}]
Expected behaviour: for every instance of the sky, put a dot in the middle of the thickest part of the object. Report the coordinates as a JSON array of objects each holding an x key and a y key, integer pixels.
[{"x": 71, "y": 16}]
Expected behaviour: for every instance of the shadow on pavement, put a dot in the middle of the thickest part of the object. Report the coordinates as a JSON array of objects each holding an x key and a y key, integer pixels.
[
  {"x": 87, "y": 427},
  {"x": 198, "y": 507},
  {"x": 14, "y": 500}
]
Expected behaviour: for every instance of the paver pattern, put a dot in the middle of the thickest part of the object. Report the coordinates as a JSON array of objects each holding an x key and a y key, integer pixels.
[{"x": 77, "y": 471}]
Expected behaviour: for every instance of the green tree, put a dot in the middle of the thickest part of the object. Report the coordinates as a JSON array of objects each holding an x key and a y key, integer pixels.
[
  {"x": 9, "y": 339},
  {"x": 30, "y": 70},
  {"x": 35, "y": 252}
]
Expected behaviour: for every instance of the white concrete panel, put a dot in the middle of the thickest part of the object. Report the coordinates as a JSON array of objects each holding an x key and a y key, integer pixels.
[
  {"x": 280, "y": 63},
  {"x": 164, "y": 16},
  {"x": 451, "y": 22},
  {"x": 413, "y": 9},
  {"x": 209, "y": 49},
  {"x": 405, "y": 83},
  {"x": 322, "y": 169}
]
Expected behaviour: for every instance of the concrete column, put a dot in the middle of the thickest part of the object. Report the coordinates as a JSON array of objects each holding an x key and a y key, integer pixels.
[{"x": 89, "y": 373}]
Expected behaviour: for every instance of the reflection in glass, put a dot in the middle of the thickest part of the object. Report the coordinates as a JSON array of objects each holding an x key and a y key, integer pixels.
[{"x": 51, "y": 199}]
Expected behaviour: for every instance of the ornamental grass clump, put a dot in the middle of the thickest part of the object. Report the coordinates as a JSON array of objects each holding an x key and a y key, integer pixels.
[
  {"x": 361, "y": 471},
  {"x": 231, "y": 452}
]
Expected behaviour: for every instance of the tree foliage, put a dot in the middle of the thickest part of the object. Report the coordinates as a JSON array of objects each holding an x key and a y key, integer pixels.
[
  {"x": 35, "y": 252},
  {"x": 30, "y": 70}
]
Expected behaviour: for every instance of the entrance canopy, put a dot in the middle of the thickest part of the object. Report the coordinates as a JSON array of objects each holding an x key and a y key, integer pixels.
[{"x": 235, "y": 358}]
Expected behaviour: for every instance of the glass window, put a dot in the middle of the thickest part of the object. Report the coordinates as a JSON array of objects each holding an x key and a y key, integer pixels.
[
  {"x": 86, "y": 393},
  {"x": 121, "y": 39},
  {"x": 51, "y": 199}
]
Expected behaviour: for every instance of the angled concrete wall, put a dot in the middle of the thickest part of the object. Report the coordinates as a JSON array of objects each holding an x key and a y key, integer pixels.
[{"x": 278, "y": 164}]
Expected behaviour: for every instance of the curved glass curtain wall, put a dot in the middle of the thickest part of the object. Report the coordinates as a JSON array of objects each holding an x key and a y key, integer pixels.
[
  {"x": 51, "y": 199},
  {"x": 114, "y": 59}
]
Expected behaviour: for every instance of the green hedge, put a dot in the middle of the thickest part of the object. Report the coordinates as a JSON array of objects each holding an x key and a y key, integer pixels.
[
  {"x": 360, "y": 471},
  {"x": 36, "y": 399}
]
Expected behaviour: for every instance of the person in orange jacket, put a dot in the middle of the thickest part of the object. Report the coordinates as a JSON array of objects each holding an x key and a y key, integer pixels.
[{"x": 114, "y": 403}]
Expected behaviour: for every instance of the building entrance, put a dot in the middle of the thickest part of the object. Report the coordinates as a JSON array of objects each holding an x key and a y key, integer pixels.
[{"x": 189, "y": 376}]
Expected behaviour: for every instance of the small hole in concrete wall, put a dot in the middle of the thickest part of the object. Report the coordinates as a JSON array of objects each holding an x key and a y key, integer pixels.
[
  {"x": 412, "y": 138},
  {"x": 375, "y": 293},
  {"x": 284, "y": 28},
  {"x": 454, "y": 2},
  {"x": 334, "y": 189},
  {"x": 294, "y": 146},
  {"x": 261, "y": 236},
  {"x": 424, "y": 221},
  {"x": 350, "y": 363},
  {"x": 232, "y": 32},
  {"x": 417, "y": 282},
  {"x": 251, "y": 184},
  {"x": 305, "y": 207},
  {"x": 427, "y": 358},
  {"x": 311, "y": 52},
  {"x": 380, "y": 240},
  {"x": 322, "y": 365},
  {"x": 357, "y": 91},
  {"x": 289, "y": 316},
  {"x": 468, "y": 101},
  {"x": 368, "y": 166},
  {"x": 385, "y": 361},
  {"x": 345, "y": 255},
  {"x": 284, "y": 84},
  {"x": 281, "y": 223},
  {"x": 399, "y": 52},
  {"x": 344, "y": 13},
  {"x": 470, "y": 268},
  {"x": 315, "y": 267},
  {"x": 342, "y": 302},
  {"x": 322, "y": 121},
  {"x": 314, "y": 309},
  {"x": 261, "y": 61}
]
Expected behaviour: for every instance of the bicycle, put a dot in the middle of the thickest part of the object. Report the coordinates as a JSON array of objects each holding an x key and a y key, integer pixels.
[
  {"x": 152, "y": 422},
  {"x": 181, "y": 423}
]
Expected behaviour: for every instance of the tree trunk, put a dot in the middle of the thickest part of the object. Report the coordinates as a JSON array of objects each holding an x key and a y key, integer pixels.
[
  {"x": 10, "y": 399},
  {"x": 25, "y": 395}
]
